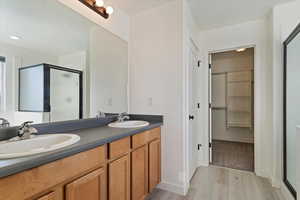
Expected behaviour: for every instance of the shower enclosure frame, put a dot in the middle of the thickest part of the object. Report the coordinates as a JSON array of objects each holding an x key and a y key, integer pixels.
[
  {"x": 47, "y": 103},
  {"x": 290, "y": 38}
]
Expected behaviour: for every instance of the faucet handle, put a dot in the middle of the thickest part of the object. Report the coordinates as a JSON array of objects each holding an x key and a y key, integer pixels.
[
  {"x": 100, "y": 114},
  {"x": 25, "y": 124},
  {"x": 122, "y": 114}
]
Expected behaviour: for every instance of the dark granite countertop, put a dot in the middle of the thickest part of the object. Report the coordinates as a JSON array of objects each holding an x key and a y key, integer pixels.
[{"x": 89, "y": 139}]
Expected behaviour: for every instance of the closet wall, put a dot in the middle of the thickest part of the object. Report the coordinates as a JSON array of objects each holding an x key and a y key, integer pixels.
[{"x": 232, "y": 96}]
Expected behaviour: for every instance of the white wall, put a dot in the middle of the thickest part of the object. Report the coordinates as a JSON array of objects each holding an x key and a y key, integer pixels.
[
  {"x": 252, "y": 33},
  {"x": 108, "y": 66},
  {"x": 156, "y": 82},
  {"x": 19, "y": 57},
  {"x": 117, "y": 23},
  {"x": 285, "y": 18}
]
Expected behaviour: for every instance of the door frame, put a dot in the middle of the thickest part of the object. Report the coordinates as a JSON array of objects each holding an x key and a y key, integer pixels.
[
  {"x": 192, "y": 49},
  {"x": 255, "y": 103}
]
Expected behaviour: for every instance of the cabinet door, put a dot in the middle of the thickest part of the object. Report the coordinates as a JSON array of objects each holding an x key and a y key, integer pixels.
[
  {"x": 50, "y": 196},
  {"x": 91, "y": 187},
  {"x": 154, "y": 164},
  {"x": 139, "y": 173},
  {"x": 119, "y": 179}
]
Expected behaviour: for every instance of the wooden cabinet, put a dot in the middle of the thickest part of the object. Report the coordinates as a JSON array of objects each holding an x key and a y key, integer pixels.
[
  {"x": 139, "y": 173},
  {"x": 154, "y": 164},
  {"x": 125, "y": 169},
  {"x": 119, "y": 148},
  {"x": 91, "y": 186},
  {"x": 119, "y": 178},
  {"x": 50, "y": 196}
]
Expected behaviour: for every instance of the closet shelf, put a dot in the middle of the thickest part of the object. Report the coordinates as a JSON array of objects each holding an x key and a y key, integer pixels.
[
  {"x": 239, "y": 124},
  {"x": 239, "y": 96},
  {"x": 239, "y": 111},
  {"x": 219, "y": 107}
]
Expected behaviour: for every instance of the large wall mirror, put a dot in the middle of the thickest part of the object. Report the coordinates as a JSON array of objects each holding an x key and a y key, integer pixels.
[
  {"x": 291, "y": 106},
  {"x": 56, "y": 65}
]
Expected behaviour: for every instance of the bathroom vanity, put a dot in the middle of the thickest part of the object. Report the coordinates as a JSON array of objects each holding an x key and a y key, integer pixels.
[
  {"x": 107, "y": 163},
  {"x": 62, "y": 86}
]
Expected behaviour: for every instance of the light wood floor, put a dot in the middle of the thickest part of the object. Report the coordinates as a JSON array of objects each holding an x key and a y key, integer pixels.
[
  {"x": 216, "y": 183},
  {"x": 234, "y": 155}
]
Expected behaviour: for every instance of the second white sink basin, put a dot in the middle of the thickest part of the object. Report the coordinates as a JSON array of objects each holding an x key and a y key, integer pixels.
[
  {"x": 36, "y": 144},
  {"x": 129, "y": 124}
]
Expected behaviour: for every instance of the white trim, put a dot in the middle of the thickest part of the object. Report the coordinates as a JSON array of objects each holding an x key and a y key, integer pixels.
[
  {"x": 285, "y": 192},
  {"x": 177, "y": 189},
  {"x": 257, "y": 105},
  {"x": 3, "y": 74}
]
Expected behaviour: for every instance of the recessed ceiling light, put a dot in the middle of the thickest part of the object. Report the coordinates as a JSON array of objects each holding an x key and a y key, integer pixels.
[
  {"x": 241, "y": 49},
  {"x": 13, "y": 37}
]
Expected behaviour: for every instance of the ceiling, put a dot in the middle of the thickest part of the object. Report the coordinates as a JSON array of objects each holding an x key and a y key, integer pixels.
[
  {"x": 208, "y": 13},
  {"x": 216, "y": 13},
  {"x": 45, "y": 26},
  {"x": 132, "y": 7}
]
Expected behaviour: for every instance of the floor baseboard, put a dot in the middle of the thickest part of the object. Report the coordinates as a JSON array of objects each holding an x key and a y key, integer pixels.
[{"x": 175, "y": 188}]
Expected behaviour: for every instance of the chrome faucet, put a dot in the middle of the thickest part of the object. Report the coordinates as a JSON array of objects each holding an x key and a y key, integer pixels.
[
  {"x": 26, "y": 130},
  {"x": 123, "y": 116},
  {"x": 4, "y": 123},
  {"x": 100, "y": 115}
]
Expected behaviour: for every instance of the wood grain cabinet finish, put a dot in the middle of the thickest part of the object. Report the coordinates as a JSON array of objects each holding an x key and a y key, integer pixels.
[
  {"x": 139, "y": 173},
  {"x": 119, "y": 179},
  {"x": 154, "y": 164},
  {"x": 126, "y": 169},
  {"x": 50, "y": 196},
  {"x": 141, "y": 139},
  {"x": 28, "y": 184},
  {"x": 119, "y": 148},
  {"x": 91, "y": 187}
]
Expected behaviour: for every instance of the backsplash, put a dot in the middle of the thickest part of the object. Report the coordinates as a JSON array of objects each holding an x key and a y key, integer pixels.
[{"x": 73, "y": 125}]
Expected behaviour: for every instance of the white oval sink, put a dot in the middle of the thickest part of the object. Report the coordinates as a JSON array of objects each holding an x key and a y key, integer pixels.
[
  {"x": 36, "y": 144},
  {"x": 129, "y": 124}
]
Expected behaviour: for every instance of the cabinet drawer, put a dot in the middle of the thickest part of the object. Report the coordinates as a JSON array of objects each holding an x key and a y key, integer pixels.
[
  {"x": 50, "y": 196},
  {"x": 22, "y": 186},
  {"x": 145, "y": 137},
  {"x": 119, "y": 148},
  {"x": 154, "y": 134},
  {"x": 140, "y": 139}
]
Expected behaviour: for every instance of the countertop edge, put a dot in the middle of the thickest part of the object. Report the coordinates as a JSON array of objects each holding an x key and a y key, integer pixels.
[{"x": 27, "y": 165}]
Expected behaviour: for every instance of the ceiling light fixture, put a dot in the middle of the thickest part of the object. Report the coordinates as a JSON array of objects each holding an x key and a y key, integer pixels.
[
  {"x": 98, "y": 7},
  {"x": 241, "y": 49},
  {"x": 13, "y": 37}
]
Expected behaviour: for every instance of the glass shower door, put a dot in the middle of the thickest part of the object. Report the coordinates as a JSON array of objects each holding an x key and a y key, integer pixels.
[
  {"x": 64, "y": 95},
  {"x": 292, "y": 108}
]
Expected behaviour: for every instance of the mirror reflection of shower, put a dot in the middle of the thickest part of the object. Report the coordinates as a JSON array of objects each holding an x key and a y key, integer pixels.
[{"x": 56, "y": 91}]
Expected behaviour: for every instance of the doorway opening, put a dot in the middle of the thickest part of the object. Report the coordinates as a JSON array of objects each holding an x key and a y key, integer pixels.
[{"x": 232, "y": 109}]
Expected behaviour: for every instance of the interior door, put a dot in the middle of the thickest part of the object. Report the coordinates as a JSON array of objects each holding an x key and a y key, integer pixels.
[
  {"x": 194, "y": 108},
  {"x": 210, "y": 106}
]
